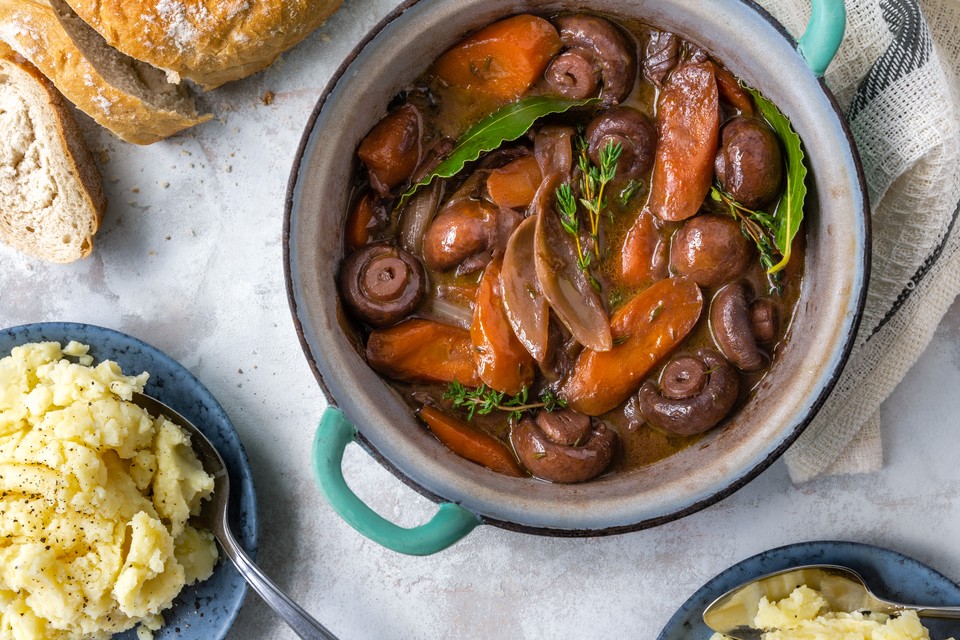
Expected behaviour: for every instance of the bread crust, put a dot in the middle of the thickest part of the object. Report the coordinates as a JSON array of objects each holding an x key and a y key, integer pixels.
[
  {"x": 32, "y": 29},
  {"x": 208, "y": 41},
  {"x": 78, "y": 160}
]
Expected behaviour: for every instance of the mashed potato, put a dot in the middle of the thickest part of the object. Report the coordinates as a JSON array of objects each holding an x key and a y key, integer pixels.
[
  {"x": 95, "y": 495},
  {"x": 799, "y": 617}
]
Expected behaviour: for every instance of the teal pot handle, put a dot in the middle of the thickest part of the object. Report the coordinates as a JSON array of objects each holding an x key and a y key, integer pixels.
[
  {"x": 820, "y": 42},
  {"x": 450, "y": 524}
]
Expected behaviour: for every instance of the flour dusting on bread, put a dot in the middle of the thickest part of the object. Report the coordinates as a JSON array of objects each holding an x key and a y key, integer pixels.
[
  {"x": 180, "y": 28},
  {"x": 128, "y": 97},
  {"x": 207, "y": 41}
]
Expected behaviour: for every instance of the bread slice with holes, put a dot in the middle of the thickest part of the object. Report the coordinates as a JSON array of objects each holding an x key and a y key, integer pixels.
[
  {"x": 128, "y": 97},
  {"x": 51, "y": 195}
]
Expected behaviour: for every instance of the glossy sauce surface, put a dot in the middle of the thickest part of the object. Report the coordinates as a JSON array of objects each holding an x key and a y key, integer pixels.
[{"x": 445, "y": 112}]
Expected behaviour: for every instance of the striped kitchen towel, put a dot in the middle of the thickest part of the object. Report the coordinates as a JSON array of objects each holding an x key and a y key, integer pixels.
[{"x": 897, "y": 76}]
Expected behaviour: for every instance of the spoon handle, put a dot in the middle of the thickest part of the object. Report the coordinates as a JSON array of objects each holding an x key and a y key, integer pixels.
[
  {"x": 298, "y": 619},
  {"x": 950, "y": 613}
]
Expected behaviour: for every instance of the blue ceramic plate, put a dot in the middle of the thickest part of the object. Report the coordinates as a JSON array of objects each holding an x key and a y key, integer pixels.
[
  {"x": 889, "y": 574},
  {"x": 204, "y": 611}
]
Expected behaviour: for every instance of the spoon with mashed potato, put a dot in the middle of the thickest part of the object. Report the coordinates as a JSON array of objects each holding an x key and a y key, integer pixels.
[
  {"x": 214, "y": 517},
  {"x": 815, "y": 602}
]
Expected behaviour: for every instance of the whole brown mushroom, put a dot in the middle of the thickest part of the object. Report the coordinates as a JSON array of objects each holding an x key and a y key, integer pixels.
[
  {"x": 381, "y": 284},
  {"x": 710, "y": 249},
  {"x": 574, "y": 74},
  {"x": 562, "y": 447},
  {"x": 662, "y": 55},
  {"x": 763, "y": 319},
  {"x": 466, "y": 234},
  {"x": 611, "y": 51},
  {"x": 735, "y": 327},
  {"x": 696, "y": 393},
  {"x": 749, "y": 163}
]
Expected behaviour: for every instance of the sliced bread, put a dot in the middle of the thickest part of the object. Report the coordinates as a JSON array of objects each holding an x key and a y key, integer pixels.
[
  {"x": 208, "y": 41},
  {"x": 51, "y": 195},
  {"x": 128, "y": 97}
]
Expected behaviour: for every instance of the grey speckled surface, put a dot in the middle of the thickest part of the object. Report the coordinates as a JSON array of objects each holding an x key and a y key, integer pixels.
[{"x": 189, "y": 260}]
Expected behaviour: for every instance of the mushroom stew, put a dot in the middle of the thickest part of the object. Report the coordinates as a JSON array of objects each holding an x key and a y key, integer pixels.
[{"x": 574, "y": 245}]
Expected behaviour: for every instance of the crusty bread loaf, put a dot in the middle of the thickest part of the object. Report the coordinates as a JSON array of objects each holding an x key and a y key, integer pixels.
[
  {"x": 130, "y": 98},
  {"x": 51, "y": 195},
  {"x": 207, "y": 41}
]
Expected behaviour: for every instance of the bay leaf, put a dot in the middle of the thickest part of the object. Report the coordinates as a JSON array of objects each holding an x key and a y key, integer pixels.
[
  {"x": 503, "y": 125},
  {"x": 789, "y": 212}
]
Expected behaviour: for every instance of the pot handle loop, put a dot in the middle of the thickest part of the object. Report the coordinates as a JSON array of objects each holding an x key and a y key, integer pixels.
[
  {"x": 820, "y": 42},
  {"x": 448, "y": 525}
]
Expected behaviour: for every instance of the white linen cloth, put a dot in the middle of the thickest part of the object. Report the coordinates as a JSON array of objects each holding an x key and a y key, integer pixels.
[{"x": 897, "y": 77}]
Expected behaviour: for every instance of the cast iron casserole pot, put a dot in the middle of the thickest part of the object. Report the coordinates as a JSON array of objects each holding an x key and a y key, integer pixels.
[{"x": 755, "y": 48}]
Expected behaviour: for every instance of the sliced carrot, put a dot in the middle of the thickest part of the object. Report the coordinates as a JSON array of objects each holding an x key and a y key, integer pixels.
[
  {"x": 365, "y": 217},
  {"x": 471, "y": 443},
  {"x": 391, "y": 150},
  {"x": 423, "y": 351},
  {"x": 645, "y": 329},
  {"x": 502, "y": 361},
  {"x": 731, "y": 92},
  {"x": 643, "y": 255},
  {"x": 513, "y": 185},
  {"x": 503, "y": 59},
  {"x": 688, "y": 118}
]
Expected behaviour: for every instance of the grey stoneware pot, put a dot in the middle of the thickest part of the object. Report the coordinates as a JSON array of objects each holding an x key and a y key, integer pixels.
[{"x": 758, "y": 50}]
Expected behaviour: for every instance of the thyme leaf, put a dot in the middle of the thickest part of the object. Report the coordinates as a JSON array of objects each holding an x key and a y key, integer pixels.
[
  {"x": 483, "y": 400},
  {"x": 628, "y": 191},
  {"x": 593, "y": 182}
]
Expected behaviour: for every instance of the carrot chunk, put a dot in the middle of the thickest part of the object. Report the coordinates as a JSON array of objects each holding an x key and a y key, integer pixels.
[
  {"x": 423, "y": 351},
  {"x": 392, "y": 150},
  {"x": 503, "y": 59},
  {"x": 644, "y": 254},
  {"x": 688, "y": 117},
  {"x": 471, "y": 443},
  {"x": 367, "y": 215},
  {"x": 645, "y": 329},
  {"x": 513, "y": 185},
  {"x": 732, "y": 93},
  {"x": 502, "y": 361}
]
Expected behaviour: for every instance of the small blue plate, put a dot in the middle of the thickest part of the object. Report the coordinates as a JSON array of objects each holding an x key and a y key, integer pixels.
[
  {"x": 889, "y": 574},
  {"x": 204, "y": 611}
]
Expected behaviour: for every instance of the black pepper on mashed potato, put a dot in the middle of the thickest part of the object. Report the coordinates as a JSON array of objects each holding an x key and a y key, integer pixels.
[{"x": 95, "y": 495}]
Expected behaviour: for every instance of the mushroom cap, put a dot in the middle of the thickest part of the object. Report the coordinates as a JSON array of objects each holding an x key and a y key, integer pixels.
[
  {"x": 710, "y": 249},
  {"x": 381, "y": 284},
  {"x": 612, "y": 51},
  {"x": 561, "y": 463},
  {"x": 696, "y": 413}
]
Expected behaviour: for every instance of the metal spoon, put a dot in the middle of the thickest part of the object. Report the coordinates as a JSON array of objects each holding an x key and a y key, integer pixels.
[
  {"x": 214, "y": 518},
  {"x": 844, "y": 590}
]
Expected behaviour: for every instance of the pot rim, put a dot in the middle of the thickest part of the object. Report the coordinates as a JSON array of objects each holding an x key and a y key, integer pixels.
[{"x": 733, "y": 486}]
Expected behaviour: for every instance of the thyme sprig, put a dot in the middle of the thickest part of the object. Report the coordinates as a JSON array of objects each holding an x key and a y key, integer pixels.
[
  {"x": 483, "y": 400},
  {"x": 593, "y": 182},
  {"x": 567, "y": 206},
  {"x": 760, "y": 228}
]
